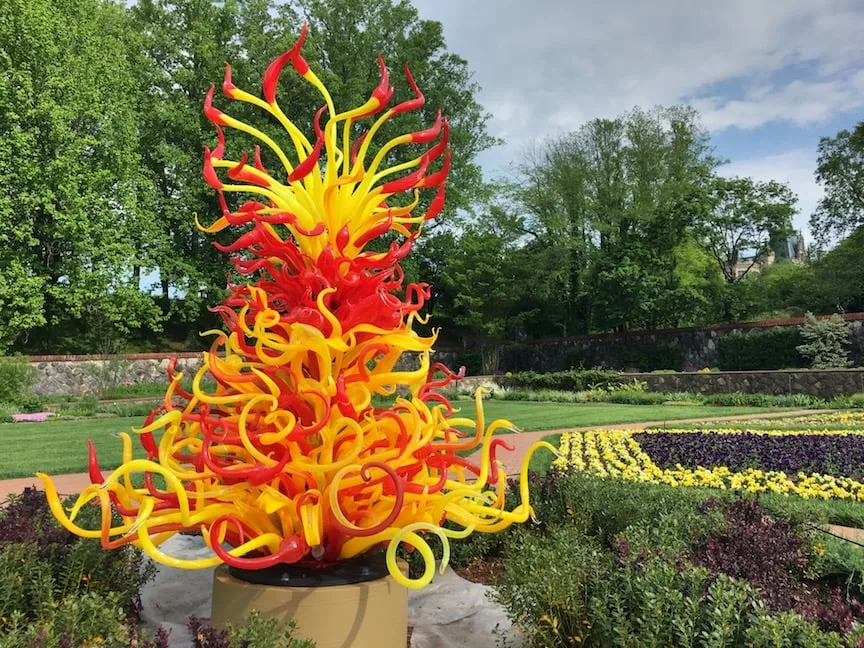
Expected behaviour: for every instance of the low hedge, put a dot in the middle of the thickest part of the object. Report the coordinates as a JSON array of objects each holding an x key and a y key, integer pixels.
[
  {"x": 760, "y": 350},
  {"x": 563, "y": 380}
]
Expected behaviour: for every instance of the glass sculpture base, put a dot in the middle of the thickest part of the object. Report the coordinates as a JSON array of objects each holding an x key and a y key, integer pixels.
[{"x": 355, "y": 603}]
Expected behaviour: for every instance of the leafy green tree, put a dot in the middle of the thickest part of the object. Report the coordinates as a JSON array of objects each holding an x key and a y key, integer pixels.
[
  {"x": 69, "y": 168},
  {"x": 783, "y": 290},
  {"x": 745, "y": 216},
  {"x": 840, "y": 169},
  {"x": 839, "y": 277},
  {"x": 486, "y": 274},
  {"x": 614, "y": 200},
  {"x": 187, "y": 43}
]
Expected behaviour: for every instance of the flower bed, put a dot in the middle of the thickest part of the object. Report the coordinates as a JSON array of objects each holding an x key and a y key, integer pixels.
[{"x": 811, "y": 464}]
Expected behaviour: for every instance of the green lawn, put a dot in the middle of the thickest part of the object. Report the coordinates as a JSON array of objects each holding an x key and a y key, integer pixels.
[
  {"x": 60, "y": 447},
  {"x": 533, "y": 416}
]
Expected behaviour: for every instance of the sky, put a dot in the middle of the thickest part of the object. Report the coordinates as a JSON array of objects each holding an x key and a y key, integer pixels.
[{"x": 768, "y": 77}]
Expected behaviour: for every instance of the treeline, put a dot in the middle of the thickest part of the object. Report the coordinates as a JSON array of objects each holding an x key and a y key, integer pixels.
[{"x": 626, "y": 223}]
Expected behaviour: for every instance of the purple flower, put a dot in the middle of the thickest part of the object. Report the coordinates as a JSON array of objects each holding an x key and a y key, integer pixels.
[{"x": 837, "y": 455}]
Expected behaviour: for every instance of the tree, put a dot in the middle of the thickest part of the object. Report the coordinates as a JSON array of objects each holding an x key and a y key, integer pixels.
[
  {"x": 840, "y": 169},
  {"x": 185, "y": 46},
  {"x": 745, "y": 216},
  {"x": 485, "y": 275},
  {"x": 69, "y": 209},
  {"x": 614, "y": 200},
  {"x": 187, "y": 43},
  {"x": 839, "y": 277}
]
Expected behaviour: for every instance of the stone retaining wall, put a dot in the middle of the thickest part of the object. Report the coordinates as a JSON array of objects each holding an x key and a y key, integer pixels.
[
  {"x": 697, "y": 346},
  {"x": 826, "y": 384},
  {"x": 80, "y": 375}
]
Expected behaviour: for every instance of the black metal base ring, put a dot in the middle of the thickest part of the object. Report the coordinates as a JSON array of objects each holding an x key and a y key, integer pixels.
[{"x": 368, "y": 567}]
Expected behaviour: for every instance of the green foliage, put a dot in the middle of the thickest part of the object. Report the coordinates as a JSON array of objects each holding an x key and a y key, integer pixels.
[
  {"x": 485, "y": 276},
  {"x": 86, "y": 406},
  {"x": 774, "y": 348},
  {"x": 745, "y": 215},
  {"x": 17, "y": 377},
  {"x": 91, "y": 619},
  {"x": 267, "y": 633},
  {"x": 30, "y": 403},
  {"x": 563, "y": 380},
  {"x": 56, "y": 587},
  {"x": 650, "y": 357},
  {"x": 539, "y": 395},
  {"x": 610, "y": 203},
  {"x": 626, "y": 396},
  {"x": 741, "y": 399},
  {"x": 591, "y": 599},
  {"x": 70, "y": 210},
  {"x": 825, "y": 342},
  {"x": 840, "y": 168},
  {"x": 629, "y": 575}
]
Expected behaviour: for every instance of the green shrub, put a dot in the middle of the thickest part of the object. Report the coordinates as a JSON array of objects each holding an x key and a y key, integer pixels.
[
  {"x": 741, "y": 399},
  {"x": 650, "y": 357},
  {"x": 31, "y": 403},
  {"x": 627, "y": 397},
  {"x": 825, "y": 343},
  {"x": 578, "y": 358},
  {"x": 605, "y": 507},
  {"x": 563, "y": 380},
  {"x": 774, "y": 348},
  {"x": 738, "y": 399},
  {"x": 617, "y": 564},
  {"x": 41, "y": 562},
  {"x": 127, "y": 409},
  {"x": 6, "y": 412},
  {"x": 85, "y": 407},
  {"x": 91, "y": 619},
  {"x": 255, "y": 632},
  {"x": 17, "y": 377},
  {"x": 689, "y": 398},
  {"x": 59, "y": 590},
  {"x": 542, "y": 395},
  {"x": 590, "y": 597}
]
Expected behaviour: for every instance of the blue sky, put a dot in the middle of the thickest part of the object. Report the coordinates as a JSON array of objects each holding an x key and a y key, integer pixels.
[{"x": 769, "y": 77}]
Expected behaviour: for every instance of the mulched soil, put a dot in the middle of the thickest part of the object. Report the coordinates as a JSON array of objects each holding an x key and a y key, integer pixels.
[{"x": 482, "y": 570}]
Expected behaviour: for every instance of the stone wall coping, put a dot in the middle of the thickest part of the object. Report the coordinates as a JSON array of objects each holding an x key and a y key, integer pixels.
[
  {"x": 121, "y": 356},
  {"x": 851, "y": 370},
  {"x": 632, "y": 374}
]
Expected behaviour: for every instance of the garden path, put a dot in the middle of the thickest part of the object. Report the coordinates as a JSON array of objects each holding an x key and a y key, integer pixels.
[{"x": 512, "y": 461}]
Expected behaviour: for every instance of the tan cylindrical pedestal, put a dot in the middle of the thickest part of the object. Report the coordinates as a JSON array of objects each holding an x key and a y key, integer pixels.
[{"x": 373, "y": 614}]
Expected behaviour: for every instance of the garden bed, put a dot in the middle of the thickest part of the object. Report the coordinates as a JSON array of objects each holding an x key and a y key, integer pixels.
[{"x": 801, "y": 456}]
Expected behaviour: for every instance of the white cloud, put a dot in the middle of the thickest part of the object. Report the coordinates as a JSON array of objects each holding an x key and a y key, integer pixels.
[
  {"x": 799, "y": 102},
  {"x": 547, "y": 67},
  {"x": 600, "y": 59}
]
